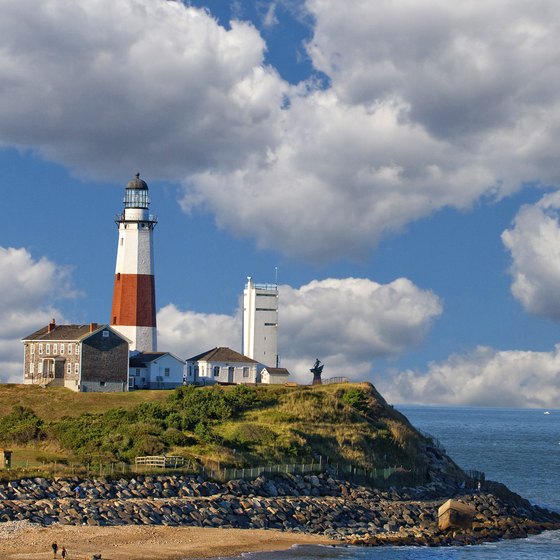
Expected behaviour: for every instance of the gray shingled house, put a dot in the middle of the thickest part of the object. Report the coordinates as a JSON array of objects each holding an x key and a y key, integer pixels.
[{"x": 79, "y": 357}]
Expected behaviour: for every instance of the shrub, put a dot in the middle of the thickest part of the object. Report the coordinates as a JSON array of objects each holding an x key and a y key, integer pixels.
[
  {"x": 356, "y": 398},
  {"x": 173, "y": 437},
  {"x": 22, "y": 425},
  {"x": 248, "y": 435},
  {"x": 204, "y": 432},
  {"x": 147, "y": 444}
]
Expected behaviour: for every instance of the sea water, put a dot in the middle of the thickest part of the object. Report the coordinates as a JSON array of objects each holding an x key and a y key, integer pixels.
[{"x": 519, "y": 447}]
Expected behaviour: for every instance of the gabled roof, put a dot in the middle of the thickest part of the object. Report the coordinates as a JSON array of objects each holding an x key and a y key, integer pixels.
[
  {"x": 143, "y": 358},
  {"x": 70, "y": 332},
  {"x": 222, "y": 354},
  {"x": 277, "y": 370}
]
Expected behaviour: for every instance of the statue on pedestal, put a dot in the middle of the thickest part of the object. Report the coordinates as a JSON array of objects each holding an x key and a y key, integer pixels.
[{"x": 316, "y": 370}]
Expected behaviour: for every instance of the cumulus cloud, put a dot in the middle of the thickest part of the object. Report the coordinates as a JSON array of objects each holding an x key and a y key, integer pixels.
[
  {"x": 425, "y": 105},
  {"x": 28, "y": 288},
  {"x": 187, "y": 333},
  {"x": 428, "y": 105},
  {"x": 348, "y": 323},
  {"x": 534, "y": 244},
  {"x": 102, "y": 85},
  {"x": 484, "y": 377}
]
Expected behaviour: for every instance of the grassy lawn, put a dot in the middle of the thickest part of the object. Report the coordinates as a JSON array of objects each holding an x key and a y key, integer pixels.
[{"x": 53, "y": 403}]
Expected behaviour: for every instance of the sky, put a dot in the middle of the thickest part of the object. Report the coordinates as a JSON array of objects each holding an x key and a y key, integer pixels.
[{"x": 394, "y": 163}]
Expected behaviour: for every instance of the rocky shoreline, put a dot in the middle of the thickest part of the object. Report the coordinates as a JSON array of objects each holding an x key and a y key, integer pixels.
[{"x": 305, "y": 504}]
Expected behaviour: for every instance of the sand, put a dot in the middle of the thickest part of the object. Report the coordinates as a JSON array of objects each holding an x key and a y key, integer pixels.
[{"x": 142, "y": 542}]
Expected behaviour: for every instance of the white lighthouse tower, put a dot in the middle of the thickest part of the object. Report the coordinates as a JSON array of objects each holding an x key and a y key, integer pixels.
[{"x": 134, "y": 303}]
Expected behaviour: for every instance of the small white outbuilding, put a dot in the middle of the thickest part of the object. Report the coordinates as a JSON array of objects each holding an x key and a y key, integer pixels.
[{"x": 274, "y": 376}]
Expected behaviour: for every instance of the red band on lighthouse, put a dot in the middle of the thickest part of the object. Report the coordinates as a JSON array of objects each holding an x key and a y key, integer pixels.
[{"x": 134, "y": 300}]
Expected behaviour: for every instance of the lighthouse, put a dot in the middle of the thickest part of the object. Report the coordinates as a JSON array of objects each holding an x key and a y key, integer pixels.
[{"x": 134, "y": 303}]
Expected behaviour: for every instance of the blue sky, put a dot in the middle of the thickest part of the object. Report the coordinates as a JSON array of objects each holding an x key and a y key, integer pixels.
[{"x": 396, "y": 163}]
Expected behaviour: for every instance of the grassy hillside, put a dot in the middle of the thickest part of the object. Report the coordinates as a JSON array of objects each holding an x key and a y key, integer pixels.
[
  {"x": 55, "y": 402},
  {"x": 236, "y": 426}
]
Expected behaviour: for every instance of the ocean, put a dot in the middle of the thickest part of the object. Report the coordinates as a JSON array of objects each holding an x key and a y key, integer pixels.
[{"x": 519, "y": 447}]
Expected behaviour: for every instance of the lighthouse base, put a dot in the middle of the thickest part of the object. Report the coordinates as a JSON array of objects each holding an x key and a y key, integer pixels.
[{"x": 142, "y": 339}]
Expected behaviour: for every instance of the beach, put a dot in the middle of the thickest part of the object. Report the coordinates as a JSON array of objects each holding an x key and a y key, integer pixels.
[{"x": 134, "y": 542}]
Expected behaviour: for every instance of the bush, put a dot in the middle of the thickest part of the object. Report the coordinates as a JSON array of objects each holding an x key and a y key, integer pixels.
[
  {"x": 21, "y": 426},
  {"x": 248, "y": 435},
  {"x": 204, "y": 433},
  {"x": 173, "y": 437},
  {"x": 147, "y": 444},
  {"x": 356, "y": 398}
]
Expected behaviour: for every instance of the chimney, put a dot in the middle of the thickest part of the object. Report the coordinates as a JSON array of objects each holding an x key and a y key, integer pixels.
[
  {"x": 92, "y": 327},
  {"x": 52, "y": 326}
]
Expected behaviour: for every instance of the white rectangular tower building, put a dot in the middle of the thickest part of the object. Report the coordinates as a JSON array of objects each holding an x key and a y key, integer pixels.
[{"x": 260, "y": 323}]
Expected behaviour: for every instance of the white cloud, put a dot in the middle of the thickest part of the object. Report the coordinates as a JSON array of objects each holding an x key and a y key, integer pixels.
[
  {"x": 347, "y": 323},
  {"x": 484, "y": 377},
  {"x": 269, "y": 18},
  {"x": 534, "y": 243},
  {"x": 105, "y": 84},
  {"x": 187, "y": 333},
  {"x": 28, "y": 288},
  {"x": 427, "y": 105}
]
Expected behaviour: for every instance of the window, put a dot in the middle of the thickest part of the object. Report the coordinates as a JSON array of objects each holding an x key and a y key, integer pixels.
[
  {"x": 137, "y": 371},
  {"x": 32, "y": 348},
  {"x": 40, "y": 348},
  {"x": 40, "y": 367},
  {"x": 216, "y": 371},
  {"x": 69, "y": 349},
  {"x": 105, "y": 334},
  {"x": 47, "y": 348},
  {"x": 68, "y": 368},
  {"x": 131, "y": 382},
  {"x": 76, "y": 368},
  {"x": 102, "y": 383},
  {"x": 166, "y": 372},
  {"x": 77, "y": 349},
  {"x": 55, "y": 348},
  {"x": 31, "y": 368},
  {"x": 62, "y": 348},
  {"x": 245, "y": 372}
]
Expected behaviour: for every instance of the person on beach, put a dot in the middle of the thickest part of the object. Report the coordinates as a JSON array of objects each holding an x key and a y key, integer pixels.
[
  {"x": 54, "y": 547},
  {"x": 63, "y": 553}
]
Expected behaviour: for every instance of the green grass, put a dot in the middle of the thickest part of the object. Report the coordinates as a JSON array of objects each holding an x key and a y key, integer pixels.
[
  {"x": 230, "y": 426},
  {"x": 53, "y": 403}
]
